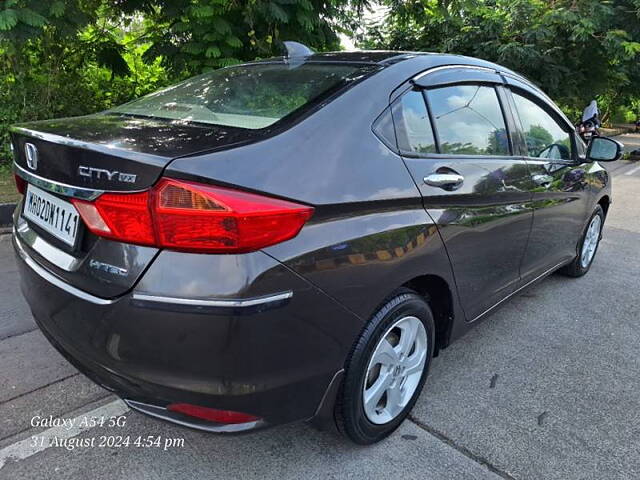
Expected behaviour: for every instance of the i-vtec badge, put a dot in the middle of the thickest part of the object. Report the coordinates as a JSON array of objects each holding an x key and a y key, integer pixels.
[
  {"x": 108, "y": 268},
  {"x": 104, "y": 174}
]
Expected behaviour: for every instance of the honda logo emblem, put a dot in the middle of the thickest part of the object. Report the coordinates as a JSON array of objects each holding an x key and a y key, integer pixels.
[{"x": 31, "y": 152}]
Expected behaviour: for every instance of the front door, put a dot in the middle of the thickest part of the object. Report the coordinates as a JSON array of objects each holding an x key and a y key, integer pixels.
[
  {"x": 457, "y": 147},
  {"x": 560, "y": 187}
]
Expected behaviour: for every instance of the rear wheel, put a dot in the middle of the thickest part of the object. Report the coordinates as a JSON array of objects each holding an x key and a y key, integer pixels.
[
  {"x": 588, "y": 246},
  {"x": 386, "y": 369}
]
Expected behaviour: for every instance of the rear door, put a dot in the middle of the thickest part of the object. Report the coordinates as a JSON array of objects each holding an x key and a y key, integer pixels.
[{"x": 454, "y": 138}]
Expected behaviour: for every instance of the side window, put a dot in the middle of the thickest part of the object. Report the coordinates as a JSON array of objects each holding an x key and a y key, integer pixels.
[
  {"x": 383, "y": 128},
  {"x": 413, "y": 128},
  {"x": 543, "y": 136},
  {"x": 469, "y": 120}
]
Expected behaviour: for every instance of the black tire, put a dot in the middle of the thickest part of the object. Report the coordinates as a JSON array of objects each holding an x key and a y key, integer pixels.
[
  {"x": 575, "y": 268},
  {"x": 349, "y": 410}
]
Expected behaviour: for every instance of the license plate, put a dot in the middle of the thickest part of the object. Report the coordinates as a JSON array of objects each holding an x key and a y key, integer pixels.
[{"x": 56, "y": 216}]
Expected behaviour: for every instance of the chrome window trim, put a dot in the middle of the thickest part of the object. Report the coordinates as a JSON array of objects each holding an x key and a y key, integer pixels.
[
  {"x": 57, "y": 187},
  {"x": 448, "y": 67}
]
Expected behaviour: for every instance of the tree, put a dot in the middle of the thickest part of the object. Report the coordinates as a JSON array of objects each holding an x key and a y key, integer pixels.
[
  {"x": 72, "y": 57},
  {"x": 53, "y": 26},
  {"x": 62, "y": 58},
  {"x": 575, "y": 50},
  {"x": 196, "y": 35}
]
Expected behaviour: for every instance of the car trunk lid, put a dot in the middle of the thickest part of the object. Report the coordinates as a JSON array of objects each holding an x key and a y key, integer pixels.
[
  {"x": 113, "y": 152},
  {"x": 85, "y": 156}
]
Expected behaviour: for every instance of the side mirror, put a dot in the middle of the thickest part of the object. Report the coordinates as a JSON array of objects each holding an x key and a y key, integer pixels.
[{"x": 604, "y": 149}]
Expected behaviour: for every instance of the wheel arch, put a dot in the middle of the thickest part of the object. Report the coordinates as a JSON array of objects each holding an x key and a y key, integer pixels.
[
  {"x": 437, "y": 293},
  {"x": 605, "y": 202}
]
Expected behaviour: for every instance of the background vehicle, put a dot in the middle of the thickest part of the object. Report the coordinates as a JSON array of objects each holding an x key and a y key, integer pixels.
[
  {"x": 590, "y": 123},
  {"x": 296, "y": 238}
]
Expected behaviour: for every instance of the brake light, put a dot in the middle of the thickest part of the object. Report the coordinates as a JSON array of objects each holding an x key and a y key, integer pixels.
[
  {"x": 212, "y": 414},
  {"x": 21, "y": 184},
  {"x": 124, "y": 217},
  {"x": 194, "y": 217}
]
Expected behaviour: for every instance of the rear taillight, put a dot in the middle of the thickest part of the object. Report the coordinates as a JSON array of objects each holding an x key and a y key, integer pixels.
[
  {"x": 194, "y": 217},
  {"x": 124, "y": 217},
  {"x": 212, "y": 414},
  {"x": 21, "y": 184}
]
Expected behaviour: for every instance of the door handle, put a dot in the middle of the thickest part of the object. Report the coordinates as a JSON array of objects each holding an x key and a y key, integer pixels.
[{"x": 448, "y": 181}]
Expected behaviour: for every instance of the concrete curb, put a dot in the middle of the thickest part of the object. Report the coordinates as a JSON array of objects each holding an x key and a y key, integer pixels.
[{"x": 6, "y": 212}]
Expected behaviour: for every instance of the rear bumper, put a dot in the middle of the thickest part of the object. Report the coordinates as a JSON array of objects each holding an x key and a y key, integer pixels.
[{"x": 273, "y": 359}]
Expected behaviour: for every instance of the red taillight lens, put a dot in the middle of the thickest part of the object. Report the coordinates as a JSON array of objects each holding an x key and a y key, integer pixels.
[
  {"x": 194, "y": 217},
  {"x": 123, "y": 217},
  {"x": 21, "y": 184},
  {"x": 212, "y": 414}
]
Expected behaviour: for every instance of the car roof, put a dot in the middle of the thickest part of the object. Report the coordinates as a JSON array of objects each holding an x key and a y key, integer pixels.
[
  {"x": 386, "y": 58},
  {"x": 382, "y": 57},
  {"x": 422, "y": 60},
  {"x": 373, "y": 57}
]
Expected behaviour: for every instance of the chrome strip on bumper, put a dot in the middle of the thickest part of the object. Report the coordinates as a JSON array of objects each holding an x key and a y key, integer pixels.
[
  {"x": 222, "y": 305},
  {"x": 228, "y": 303},
  {"x": 211, "y": 306}
]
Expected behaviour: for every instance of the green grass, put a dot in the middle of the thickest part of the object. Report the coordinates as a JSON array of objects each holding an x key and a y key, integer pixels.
[{"x": 8, "y": 192}]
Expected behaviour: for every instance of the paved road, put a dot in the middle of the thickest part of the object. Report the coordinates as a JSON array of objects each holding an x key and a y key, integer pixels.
[
  {"x": 631, "y": 141},
  {"x": 548, "y": 387}
]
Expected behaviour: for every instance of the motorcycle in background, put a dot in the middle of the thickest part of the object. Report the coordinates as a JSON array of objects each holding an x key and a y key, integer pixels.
[{"x": 588, "y": 127}]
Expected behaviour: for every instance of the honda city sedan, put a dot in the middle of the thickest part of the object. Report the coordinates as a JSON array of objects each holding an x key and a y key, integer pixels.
[{"x": 296, "y": 238}]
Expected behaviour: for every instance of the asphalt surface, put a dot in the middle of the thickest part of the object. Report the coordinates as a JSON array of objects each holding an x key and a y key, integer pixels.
[{"x": 547, "y": 387}]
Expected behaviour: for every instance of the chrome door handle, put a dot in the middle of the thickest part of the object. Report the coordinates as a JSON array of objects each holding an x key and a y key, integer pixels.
[{"x": 444, "y": 180}]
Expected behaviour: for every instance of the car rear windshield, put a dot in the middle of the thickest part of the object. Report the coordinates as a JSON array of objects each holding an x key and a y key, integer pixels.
[{"x": 247, "y": 96}]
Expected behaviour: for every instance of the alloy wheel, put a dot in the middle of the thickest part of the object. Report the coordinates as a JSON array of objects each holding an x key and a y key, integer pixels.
[
  {"x": 590, "y": 243},
  {"x": 394, "y": 370}
]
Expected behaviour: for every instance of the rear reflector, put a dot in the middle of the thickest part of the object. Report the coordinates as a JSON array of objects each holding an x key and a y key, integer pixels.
[
  {"x": 212, "y": 414},
  {"x": 194, "y": 217},
  {"x": 21, "y": 184}
]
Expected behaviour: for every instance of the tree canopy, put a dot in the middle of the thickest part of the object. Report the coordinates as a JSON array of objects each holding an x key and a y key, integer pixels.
[
  {"x": 575, "y": 50},
  {"x": 71, "y": 57}
]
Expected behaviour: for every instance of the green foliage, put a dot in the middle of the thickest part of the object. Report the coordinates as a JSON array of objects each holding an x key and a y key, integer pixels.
[
  {"x": 53, "y": 66},
  {"x": 24, "y": 20},
  {"x": 575, "y": 50},
  {"x": 198, "y": 35},
  {"x": 72, "y": 57}
]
